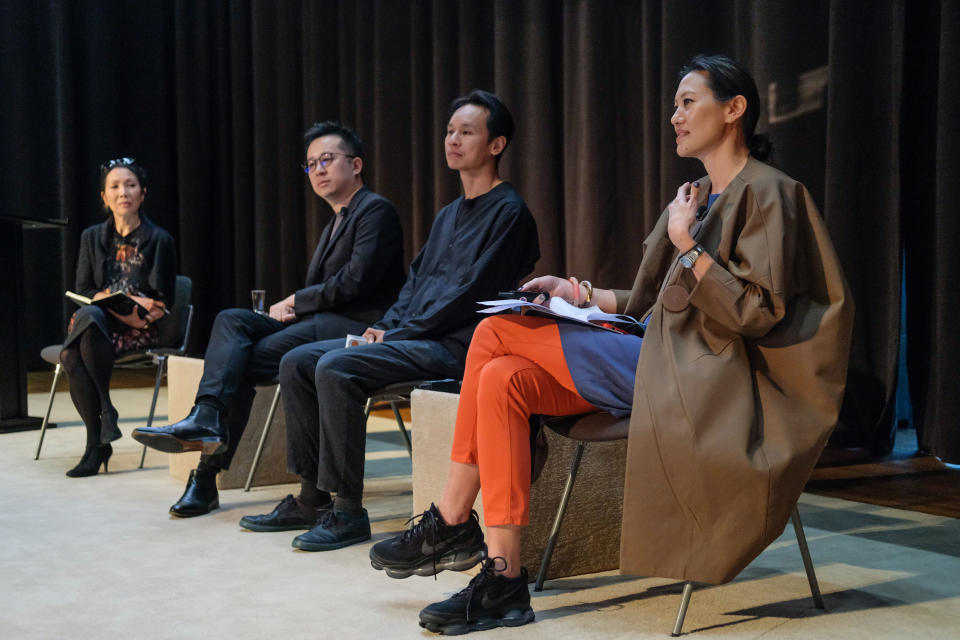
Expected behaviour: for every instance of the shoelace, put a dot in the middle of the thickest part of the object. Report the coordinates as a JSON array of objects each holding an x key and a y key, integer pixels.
[
  {"x": 327, "y": 518},
  {"x": 428, "y": 522},
  {"x": 487, "y": 571}
]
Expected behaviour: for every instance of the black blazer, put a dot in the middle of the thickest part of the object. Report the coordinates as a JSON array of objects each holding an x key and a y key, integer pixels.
[
  {"x": 359, "y": 271},
  {"x": 158, "y": 249}
]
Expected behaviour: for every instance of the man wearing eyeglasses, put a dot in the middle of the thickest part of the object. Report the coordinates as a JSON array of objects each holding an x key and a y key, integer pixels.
[
  {"x": 481, "y": 243},
  {"x": 353, "y": 277}
]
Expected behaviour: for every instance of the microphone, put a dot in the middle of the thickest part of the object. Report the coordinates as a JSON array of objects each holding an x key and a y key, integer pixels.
[{"x": 701, "y": 212}]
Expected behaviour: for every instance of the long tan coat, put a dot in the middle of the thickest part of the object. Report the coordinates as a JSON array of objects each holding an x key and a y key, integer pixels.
[{"x": 739, "y": 380}]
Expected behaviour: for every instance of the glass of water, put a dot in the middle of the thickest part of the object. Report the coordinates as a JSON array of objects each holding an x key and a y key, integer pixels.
[{"x": 257, "y": 300}]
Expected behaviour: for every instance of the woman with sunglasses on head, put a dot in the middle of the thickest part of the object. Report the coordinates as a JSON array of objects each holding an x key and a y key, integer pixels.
[
  {"x": 732, "y": 389},
  {"x": 126, "y": 253}
]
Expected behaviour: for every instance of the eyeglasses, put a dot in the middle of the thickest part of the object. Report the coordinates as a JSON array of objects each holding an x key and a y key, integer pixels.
[
  {"x": 117, "y": 162},
  {"x": 323, "y": 161}
]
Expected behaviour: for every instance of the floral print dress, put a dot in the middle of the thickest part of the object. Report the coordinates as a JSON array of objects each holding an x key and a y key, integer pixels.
[{"x": 125, "y": 271}]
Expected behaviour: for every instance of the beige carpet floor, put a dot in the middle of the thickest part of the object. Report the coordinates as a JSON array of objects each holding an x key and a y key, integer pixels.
[{"x": 100, "y": 558}]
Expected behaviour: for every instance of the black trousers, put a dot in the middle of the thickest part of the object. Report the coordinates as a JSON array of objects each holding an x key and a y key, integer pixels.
[
  {"x": 325, "y": 388},
  {"x": 244, "y": 351}
]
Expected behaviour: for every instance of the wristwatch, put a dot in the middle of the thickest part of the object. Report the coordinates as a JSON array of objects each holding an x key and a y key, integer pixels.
[{"x": 691, "y": 256}]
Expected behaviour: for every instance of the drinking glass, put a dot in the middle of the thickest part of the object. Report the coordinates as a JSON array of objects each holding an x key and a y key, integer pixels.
[{"x": 257, "y": 298}]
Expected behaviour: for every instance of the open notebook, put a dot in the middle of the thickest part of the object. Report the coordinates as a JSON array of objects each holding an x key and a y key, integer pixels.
[{"x": 116, "y": 301}]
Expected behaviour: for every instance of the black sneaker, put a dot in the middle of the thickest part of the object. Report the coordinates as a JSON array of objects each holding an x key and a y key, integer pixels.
[
  {"x": 334, "y": 529},
  {"x": 289, "y": 514},
  {"x": 431, "y": 546},
  {"x": 489, "y": 601}
]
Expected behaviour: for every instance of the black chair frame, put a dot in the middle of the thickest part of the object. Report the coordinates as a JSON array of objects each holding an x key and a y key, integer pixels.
[{"x": 141, "y": 359}]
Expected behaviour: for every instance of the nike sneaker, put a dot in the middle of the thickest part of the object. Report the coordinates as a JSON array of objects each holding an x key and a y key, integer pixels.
[
  {"x": 489, "y": 601},
  {"x": 430, "y": 546}
]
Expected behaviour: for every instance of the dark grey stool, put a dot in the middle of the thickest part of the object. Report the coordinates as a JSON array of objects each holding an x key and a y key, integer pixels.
[{"x": 394, "y": 394}]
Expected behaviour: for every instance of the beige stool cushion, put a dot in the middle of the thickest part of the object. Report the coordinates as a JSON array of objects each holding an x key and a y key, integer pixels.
[
  {"x": 183, "y": 380},
  {"x": 590, "y": 534}
]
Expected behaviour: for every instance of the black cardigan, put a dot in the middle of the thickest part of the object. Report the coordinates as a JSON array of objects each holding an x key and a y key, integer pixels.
[{"x": 158, "y": 249}]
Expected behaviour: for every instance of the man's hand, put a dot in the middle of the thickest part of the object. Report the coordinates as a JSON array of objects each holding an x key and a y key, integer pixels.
[
  {"x": 372, "y": 335},
  {"x": 283, "y": 310}
]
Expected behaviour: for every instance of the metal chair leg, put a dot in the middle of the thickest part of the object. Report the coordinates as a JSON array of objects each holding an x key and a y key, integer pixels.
[
  {"x": 263, "y": 439},
  {"x": 161, "y": 368},
  {"x": 403, "y": 428},
  {"x": 46, "y": 417},
  {"x": 807, "y": 564},
  {"x": 805, "y": 554},
  {"x": 682, "y": 611},
  {"x": 555, "y": 531}
]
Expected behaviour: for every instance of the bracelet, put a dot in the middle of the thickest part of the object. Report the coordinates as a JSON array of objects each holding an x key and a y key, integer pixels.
[{"x": 589, "y": 297}]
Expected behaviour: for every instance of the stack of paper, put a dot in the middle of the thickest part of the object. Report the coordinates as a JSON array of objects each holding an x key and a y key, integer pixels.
[{"x": 562, "y": 310}]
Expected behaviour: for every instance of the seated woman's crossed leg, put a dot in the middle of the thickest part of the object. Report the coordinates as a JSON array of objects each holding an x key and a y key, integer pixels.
[{"x": 515, "y": 368}]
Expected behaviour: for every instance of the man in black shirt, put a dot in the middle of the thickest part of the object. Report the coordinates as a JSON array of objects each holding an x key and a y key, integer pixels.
[
  {"x": 480, "y": 244},
  {"x": 355, "y": 274}
]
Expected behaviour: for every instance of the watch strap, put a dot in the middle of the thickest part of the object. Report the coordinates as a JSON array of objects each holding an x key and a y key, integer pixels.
[{"x": 690, "y": 257}]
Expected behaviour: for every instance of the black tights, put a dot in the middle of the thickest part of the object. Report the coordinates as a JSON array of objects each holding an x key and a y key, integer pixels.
[{"x": 88, "y": 362}]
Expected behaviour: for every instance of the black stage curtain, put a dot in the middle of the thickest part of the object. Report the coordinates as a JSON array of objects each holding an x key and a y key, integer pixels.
[{"x": 212, "y": 97}]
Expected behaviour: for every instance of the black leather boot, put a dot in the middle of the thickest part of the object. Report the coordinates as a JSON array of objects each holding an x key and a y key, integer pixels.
[
  {"x": 198, "y": 498},
  {"x": 199, "y": 431}
]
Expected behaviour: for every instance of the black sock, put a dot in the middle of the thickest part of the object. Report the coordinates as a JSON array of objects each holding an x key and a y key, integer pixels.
[
  {"x": 207, "y": 470},
  {"x": 212, "y": 401},
  {"x": 310, "y": 495},
  {"x": 353, "y": 506}
]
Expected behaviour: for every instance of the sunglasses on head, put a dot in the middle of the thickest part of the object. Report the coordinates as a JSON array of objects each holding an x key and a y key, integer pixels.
[{"x": 117, "y": 162}]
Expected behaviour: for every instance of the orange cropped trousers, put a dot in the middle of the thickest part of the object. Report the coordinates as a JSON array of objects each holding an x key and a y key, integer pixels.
[{"x": 515, "y": 367}]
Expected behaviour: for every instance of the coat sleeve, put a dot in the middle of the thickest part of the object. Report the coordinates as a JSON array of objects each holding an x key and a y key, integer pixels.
[
  {"x": 163, "y": 274},
  {"x": 377, "y": 240},
  {"x": 621, "y": 296},
  {"x": 507, "y": 256},
  {"x": 86, "y": 284},
  {"x": 745, "y": 293}
]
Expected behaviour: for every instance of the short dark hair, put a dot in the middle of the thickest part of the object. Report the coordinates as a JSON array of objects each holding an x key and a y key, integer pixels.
[
  {"x": 122, "y": 163},
  {"x": 351, "y": 141},
  {"x": 499, "y": 120},
  {"x": 727, "y": 79}
]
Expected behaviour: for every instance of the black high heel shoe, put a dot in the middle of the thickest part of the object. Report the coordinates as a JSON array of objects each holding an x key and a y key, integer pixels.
[{"x": 90, "y": 463}]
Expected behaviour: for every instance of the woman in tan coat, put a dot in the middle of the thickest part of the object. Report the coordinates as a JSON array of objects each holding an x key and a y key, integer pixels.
[{"x": 732, "y": 390}]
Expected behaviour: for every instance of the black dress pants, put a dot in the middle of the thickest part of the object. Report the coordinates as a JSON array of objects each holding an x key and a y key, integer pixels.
[
  {"x": 325, "y": 388},
  {"x": 245, "y": 349}
]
